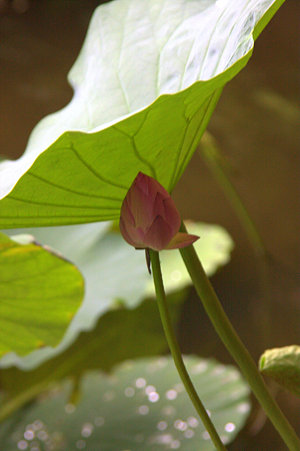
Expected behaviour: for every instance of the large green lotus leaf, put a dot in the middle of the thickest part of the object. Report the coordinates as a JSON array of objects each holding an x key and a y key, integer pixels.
[
  {"x": 114, "y": 271},
  {"x": 145, "y": 85},
  {"x": 283, "y": 365},
  {"x": 120, "y": 334},
  {"x": 39, "y": 295},
  {"x": 141, "y": 407}
]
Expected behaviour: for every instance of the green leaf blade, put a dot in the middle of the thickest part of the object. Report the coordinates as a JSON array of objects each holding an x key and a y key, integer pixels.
[
  {"x": 145, "y": 89},
  {"x": 39, "y": 295},
  {"x": 108, "y": 264}
]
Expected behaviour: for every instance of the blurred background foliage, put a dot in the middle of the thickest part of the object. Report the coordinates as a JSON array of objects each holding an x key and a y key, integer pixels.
[{"x": 255, "y": 124}]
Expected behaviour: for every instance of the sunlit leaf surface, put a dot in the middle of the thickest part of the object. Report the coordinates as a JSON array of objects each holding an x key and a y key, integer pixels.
[
  {"x": 39, "y": 295},
  {"x": 145, "y": 85},
  {"x": 142, "y": 406},
  {"x": 115, "y": 271}
]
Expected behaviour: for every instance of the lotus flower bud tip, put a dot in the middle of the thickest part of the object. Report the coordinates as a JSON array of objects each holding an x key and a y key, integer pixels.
[{"x": 149, "y": 217}]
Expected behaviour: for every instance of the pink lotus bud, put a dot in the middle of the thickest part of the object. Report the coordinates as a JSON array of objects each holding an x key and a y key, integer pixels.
[{"x": 149, "y": 218}]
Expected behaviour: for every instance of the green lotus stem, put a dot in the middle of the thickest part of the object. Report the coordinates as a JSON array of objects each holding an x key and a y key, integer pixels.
[
  {"x": 236, "y": 348},
  {"x": 212, "y": 156},
  {"x": 175, "y": 351}
]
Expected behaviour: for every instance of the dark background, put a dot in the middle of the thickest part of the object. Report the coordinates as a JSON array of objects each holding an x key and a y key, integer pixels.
[{"x": 257, "y": 126}]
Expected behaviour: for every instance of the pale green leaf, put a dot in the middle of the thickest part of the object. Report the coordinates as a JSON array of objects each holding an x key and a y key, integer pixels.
[
  {"x": 283, "y": 365},
  {"x": 114, "y": 271},
  {"x": 120, "y": 334},
  {"x": 39, "y": 295},
  {"x": 145, "y": 85},
  {"x": 142, "y": 406}
]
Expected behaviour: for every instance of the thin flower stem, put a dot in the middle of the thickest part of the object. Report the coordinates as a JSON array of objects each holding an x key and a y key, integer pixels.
[
  {"x": 235, "y": 346},
  {"x": 213, "y": 158},
  {"x": 175, "y": 351}
]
